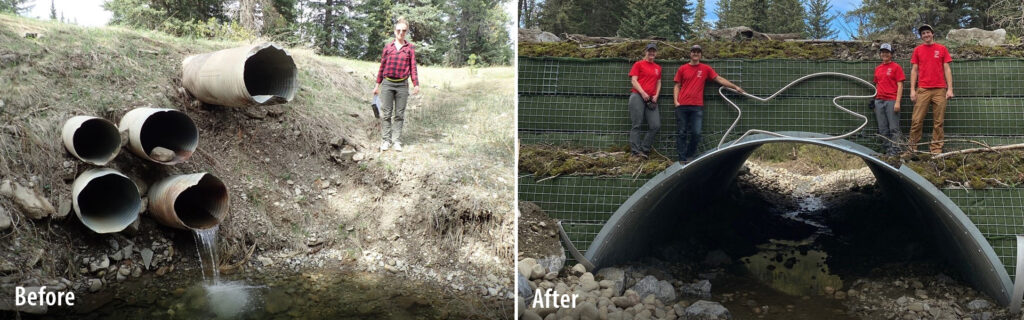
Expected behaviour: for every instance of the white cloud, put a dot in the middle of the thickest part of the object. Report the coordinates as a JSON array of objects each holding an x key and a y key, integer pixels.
[{"x": 83, "y": 12}]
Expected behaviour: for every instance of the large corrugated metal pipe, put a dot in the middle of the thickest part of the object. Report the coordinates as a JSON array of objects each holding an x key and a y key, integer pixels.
[
  {"x": 260, "y": 74},
  {"x": 105, "y": 200},
  {"x": 191, "y": 201},
  {"x": 164, "y": 136},
  {"x": 91, "y": 139}
]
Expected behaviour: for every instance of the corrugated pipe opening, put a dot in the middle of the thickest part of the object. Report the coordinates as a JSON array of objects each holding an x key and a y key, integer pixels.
[
  {"x": 270, "y": 73},
  {"x": 91, "y": 139},
  {"x": 261, "y": 74},
  {"x": 105, "y": 200},
  {"x": 164, "y": 136},
  {"x": 194, "y": 201}
]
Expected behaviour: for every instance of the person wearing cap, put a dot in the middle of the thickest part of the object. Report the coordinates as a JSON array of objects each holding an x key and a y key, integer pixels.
[
  {"x": 889, "y": 81},
  {"x": 397, "y": 66},
  {"x": 643, "y": 101},
  {"x": 931, "y": 83},
  {"x": 688, "y": 95}
]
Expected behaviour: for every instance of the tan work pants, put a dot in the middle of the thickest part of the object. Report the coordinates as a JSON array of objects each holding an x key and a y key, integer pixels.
[{"x": 937, "y": 98}]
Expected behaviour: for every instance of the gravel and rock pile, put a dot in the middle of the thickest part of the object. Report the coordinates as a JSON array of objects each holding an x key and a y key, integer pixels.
[
  {"x": 623, "y": 293},
  {"x": 782, "y": 181}
]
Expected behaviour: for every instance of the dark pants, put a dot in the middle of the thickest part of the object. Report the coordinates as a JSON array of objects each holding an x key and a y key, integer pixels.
[
  {"x": 393, "y": 98},
  {"x": 638, "y": 112},
  {"x": 888, "y": 125},
  {"x": 688, "y": 123}
]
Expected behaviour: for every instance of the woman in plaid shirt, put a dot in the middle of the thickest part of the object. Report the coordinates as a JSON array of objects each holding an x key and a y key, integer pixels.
[{"x": 397, "y": 66}]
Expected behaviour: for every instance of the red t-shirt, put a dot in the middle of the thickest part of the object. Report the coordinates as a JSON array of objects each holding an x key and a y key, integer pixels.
[
  {"x": 648, "y": 74},
  {"x": 886, "y": 77},
  {"x": 691, "y": 79},
  {"x": 929, "y": 59}
]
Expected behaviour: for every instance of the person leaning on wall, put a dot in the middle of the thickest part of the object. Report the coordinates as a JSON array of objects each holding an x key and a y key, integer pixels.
[
  {"x": 397, "y": 66},
  {"x": 688, "y": 95},
  {"x": 889, "y": 81},
  {"x": 931, "y": 83},
  {"x": 645, "y": 77}
]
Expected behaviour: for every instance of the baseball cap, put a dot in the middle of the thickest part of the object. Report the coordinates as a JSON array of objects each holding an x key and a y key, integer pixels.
[
  {"x": 696, "y": 47},
  {"x": 925, "y": 27},
  {"x": 651, "y": 46},
  {"x": 886, "y": 47}
]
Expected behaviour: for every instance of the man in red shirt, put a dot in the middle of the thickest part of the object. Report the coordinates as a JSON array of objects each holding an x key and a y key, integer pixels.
[
  {"x": 646, "y": 79},
  {"x": 931, "y": 82},
  {"x": 889, "y": 79},
  {"x": 689, "y": 101}
]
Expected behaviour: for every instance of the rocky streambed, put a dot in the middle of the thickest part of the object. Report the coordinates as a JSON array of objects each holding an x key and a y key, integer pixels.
[{"x": 662, "y": 290}]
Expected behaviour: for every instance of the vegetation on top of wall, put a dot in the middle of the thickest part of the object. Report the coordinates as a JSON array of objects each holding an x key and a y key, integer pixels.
[
  {"x": 853, "y": 51},
  {"x": 551, "y": 161},
  {"x": 972, "y": 171}
]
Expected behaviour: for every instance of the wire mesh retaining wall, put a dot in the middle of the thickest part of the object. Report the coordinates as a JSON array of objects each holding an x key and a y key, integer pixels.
[{"x": 582, "y": 103}]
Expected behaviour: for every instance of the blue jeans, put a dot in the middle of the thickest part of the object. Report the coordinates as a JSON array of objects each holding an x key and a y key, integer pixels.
[{"x": 688, "y": 123}]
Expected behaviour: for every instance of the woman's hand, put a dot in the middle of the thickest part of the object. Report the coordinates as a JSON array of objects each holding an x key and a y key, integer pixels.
[
  {"x": 415, "y": 89},
  {"x": 376, "y": 89}
]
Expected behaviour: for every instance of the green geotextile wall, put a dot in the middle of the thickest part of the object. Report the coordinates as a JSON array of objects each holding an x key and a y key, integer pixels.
[
  {"x": 583, "y": 204},
  {"x": 583, "y": 102}
]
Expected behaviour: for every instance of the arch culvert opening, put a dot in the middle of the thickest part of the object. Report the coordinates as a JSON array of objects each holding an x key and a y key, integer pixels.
[{"x": 766, "y": 243}]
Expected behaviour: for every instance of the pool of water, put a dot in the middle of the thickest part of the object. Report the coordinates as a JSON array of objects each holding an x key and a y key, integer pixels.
[
  {"x": 318, "y": 294},
  {"x": 749, "y": 298}
]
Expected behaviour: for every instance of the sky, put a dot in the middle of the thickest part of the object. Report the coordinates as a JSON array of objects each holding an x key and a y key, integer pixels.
[
  {"x": 838, "y": 7},
  {"x": 83, "y": 12}
]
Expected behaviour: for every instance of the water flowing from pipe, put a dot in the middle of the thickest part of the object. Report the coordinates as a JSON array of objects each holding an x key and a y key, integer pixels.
[{"x": 206, "y": 245}]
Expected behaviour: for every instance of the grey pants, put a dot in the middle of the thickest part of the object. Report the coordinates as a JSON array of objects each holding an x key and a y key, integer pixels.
[
  {"x": 888, "y": 125},
  {"x": 393, "y": 97},
  {"x": 637, "y": 114}
]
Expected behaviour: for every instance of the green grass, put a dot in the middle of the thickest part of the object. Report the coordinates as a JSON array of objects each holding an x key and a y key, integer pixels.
[{"x": 825, "y": 158}]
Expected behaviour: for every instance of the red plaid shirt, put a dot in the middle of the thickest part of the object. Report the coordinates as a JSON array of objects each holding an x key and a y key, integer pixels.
[{"x": 398, "y": 64}]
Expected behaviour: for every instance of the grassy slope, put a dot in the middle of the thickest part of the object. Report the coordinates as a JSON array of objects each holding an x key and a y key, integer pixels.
[{"x": 449, "y": 194}]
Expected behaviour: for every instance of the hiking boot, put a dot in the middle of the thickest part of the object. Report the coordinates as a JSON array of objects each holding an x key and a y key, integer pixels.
[
  {"x": 398, "y": 146},
  {"x": 384, "y": 146}
]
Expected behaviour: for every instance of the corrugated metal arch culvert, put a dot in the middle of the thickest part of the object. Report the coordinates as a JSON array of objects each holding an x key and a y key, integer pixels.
[{"x": 630, "y": 231}]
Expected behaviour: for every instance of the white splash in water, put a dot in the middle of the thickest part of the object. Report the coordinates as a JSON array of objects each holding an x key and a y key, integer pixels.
[
  {"x": 206, "y": 245},
  {"x": 230, "y": 299}
]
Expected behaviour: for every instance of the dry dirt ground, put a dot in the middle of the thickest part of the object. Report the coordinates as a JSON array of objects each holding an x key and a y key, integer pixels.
[
  {"x": 440, "y": 211},
  {"x": 538, "y": 232}
]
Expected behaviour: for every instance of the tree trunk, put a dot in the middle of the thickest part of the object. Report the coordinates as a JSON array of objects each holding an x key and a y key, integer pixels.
[
  {"x": 329, "y": 24},
  {"x": 247, "y": 15}
]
